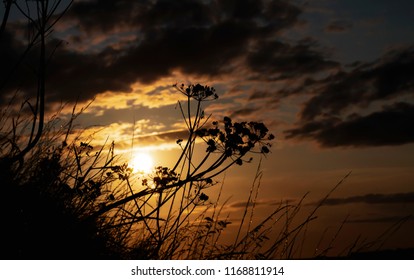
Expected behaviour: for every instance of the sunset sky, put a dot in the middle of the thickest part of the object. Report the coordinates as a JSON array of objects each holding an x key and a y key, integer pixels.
[{"x": 333, "y": 80}]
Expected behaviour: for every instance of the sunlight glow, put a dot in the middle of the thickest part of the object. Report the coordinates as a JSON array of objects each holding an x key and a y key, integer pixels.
[{"x": 142, "y": 163}]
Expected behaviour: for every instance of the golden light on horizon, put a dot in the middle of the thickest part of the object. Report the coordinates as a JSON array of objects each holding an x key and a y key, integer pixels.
[{"x": 142, "y": 162}]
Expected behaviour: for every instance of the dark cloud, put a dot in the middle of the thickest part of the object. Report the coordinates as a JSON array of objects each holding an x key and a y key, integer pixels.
[
  {"x": 273, "y": 95},
  {"x": 338, "y": 26},
  {"x": 276, "y": 60},
  {"x": 241, "y": 9},
  {"x": 263, "y": 202},
  {"x": 244, "y": 112},
  {"x": 191, "y": 50},
  {"x": 169, "y": 136},
  {"x": 195, "y": 37},
  {"x": 373, "y": 199},
  {"x": 147, "y": 16},
  {"x": 386, "y": 78},
  {"x": 70, "y": 76},
  {"x": 386, "y": 219},
  {"x": 394, "y": 125},
  {"x": 259, "y": 94},
  {"x": 324, "y": 117},
  {"x": 106, "y": 15},
  {"x": 241, "y": 204},
  {"x": 14, "y": 74},
  {"x": 212, "y": 38}
]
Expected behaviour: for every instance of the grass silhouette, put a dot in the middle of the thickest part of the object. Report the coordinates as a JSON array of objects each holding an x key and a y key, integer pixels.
[{"x": 68, "y": 193}]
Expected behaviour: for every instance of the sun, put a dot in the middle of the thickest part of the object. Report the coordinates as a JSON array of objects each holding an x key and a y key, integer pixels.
[{"x": 142, "y": 163}]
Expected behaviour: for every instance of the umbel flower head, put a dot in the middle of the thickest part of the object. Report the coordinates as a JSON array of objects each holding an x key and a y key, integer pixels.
[{"x": 198, "y": 92}]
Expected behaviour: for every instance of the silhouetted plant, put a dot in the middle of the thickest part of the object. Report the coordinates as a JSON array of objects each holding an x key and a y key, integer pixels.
[
  {"x": 162, "y": 207},
  {"x": 41, "y": 22},
  {"x": 91, "y": 186}
]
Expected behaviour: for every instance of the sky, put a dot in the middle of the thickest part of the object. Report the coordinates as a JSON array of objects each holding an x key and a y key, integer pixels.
[{"x": 332, "y": 80}]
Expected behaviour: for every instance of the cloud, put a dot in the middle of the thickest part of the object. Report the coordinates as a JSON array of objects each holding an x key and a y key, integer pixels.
[
  {"x": 260, "y": 202},
  {"x": 162, "y": 137},
  {"x": 259, "y": 94},
  {"x": 149, "y": 96},
  {"x": 143, "y": 42},
  {"x": 276, "y": 60},
  {"x": 338, "y": 26},
  {"x": 333, "y": 116},
  {"x": 11, "y": 76},
  {"x": 394, "y": 125},
  {"x": 244, "y": 112},
  {"x": 125, "y": 139},
  {"x": 70, "y": 75},
  {"x": 386, "y": 219},
  {"x": 387, "y": 77},
  {"x": 116, "y": 48},
  {"x": 400, "y": 198},
  {"x": 195, "y": 37},
  {"x": 105, "y": 16}
]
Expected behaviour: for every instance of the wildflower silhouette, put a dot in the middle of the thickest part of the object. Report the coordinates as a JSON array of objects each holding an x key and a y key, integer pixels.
[{"x": 228, "y": 142}]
